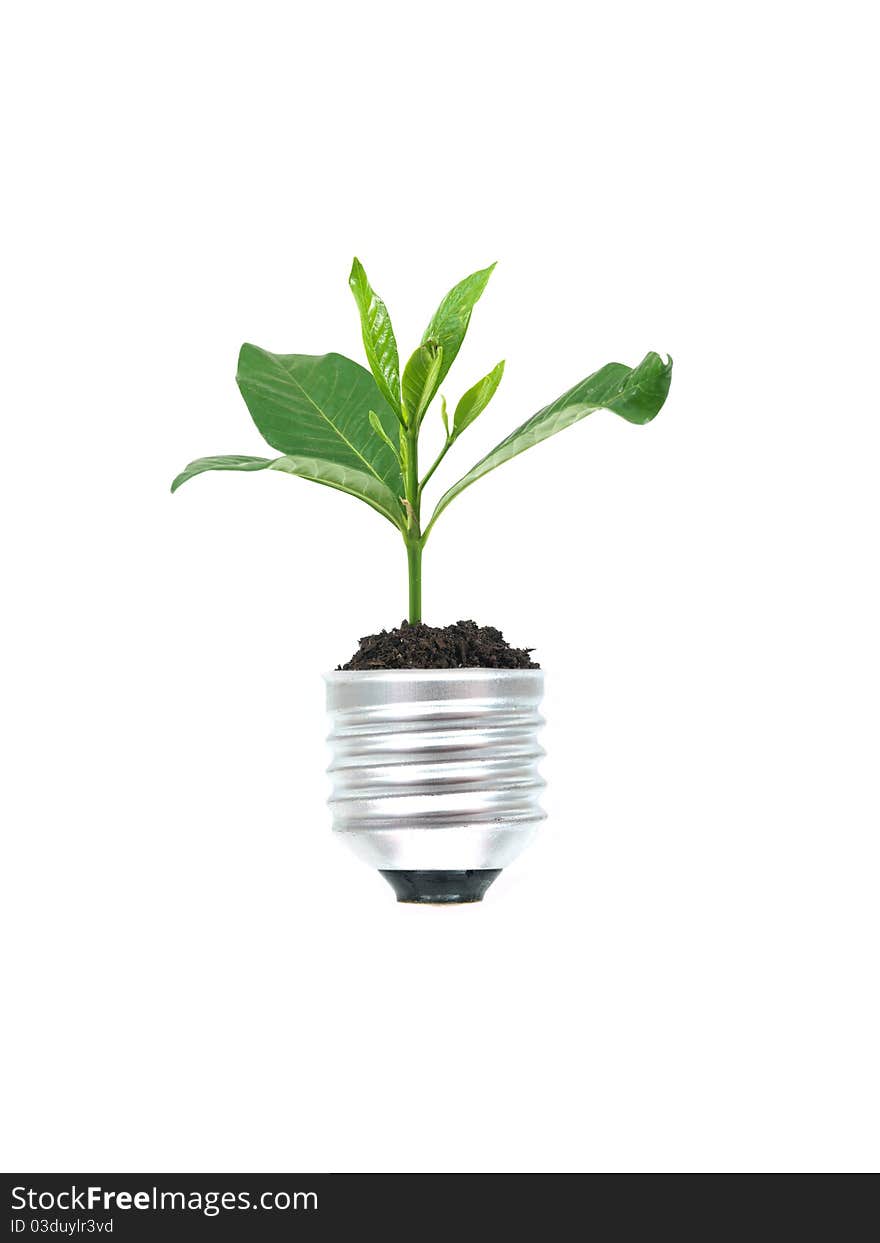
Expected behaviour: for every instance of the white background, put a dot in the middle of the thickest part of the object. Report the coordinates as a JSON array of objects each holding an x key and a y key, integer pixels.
[{"x": 682, "y": 973}]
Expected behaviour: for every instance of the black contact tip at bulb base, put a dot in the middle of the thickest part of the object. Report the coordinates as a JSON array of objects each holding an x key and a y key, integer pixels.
[{"x": 442, "y": 888}]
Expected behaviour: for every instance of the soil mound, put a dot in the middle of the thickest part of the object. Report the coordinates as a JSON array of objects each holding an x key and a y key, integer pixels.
[{"x": 463, "y": 645}]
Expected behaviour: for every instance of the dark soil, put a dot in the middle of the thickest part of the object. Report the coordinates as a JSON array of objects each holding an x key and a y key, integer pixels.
[{"x": 463, "y": 645}]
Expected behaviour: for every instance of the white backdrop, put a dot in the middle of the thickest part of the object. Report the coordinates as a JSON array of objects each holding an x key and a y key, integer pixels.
[{"x": 681, "y": 973}]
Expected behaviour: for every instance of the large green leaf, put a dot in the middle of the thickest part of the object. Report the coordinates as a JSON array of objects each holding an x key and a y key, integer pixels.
[
  {"x": 420, "y": 379},
  {"x": 451, "y": 319},
  {"x": 476, "y": 400},
  {"x": 315, "y": 410},
  {"x": 635, "y": 393},
  {"x": 344, "y": 478},
  {"x": 380, "y": 343}
]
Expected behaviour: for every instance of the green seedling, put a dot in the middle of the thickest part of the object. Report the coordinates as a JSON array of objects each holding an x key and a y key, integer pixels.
[{"x": 338, "y": 424}]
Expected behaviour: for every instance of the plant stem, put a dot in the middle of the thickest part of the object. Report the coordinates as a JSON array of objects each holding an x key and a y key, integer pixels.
[
  {"x": 414, "y": 559},
  {"x": 440, "y": 456},
  {"x": 413, "y": 537}
]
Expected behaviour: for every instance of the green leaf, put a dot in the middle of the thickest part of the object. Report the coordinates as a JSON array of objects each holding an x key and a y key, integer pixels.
[
  {"x": 344, "y": 478},
  {"x": 476, "y": 399},
  {"x": 315, "y": 410},
  {"x": 232, "y": 462},
  {"x": 421, "y": 377},
  {"x": 377, "y": 427},
  {"x": 451, "y": 319},
  {"x": 379, "y": 340},
  {"x": 635, "y": 393}
]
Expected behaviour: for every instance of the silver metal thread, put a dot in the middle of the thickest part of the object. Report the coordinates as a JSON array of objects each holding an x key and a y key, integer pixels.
[{"x": 435, "y": 769}]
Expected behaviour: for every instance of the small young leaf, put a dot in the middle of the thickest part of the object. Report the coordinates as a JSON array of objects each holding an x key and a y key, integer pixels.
[
  {"x": 444, "y": 415},
  {"x": 451, "y": 319},
  {"x": 379, "y": 340},
  {"x": 403, "y": 454},
  {"x": 420, "y": 381},
  {"x": 476, "y": 399},
  {"x": 376, "y": 424},
  {"x": 635, "y": 393}
]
